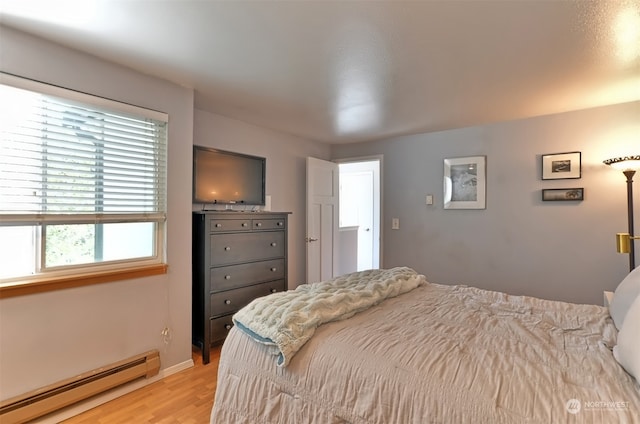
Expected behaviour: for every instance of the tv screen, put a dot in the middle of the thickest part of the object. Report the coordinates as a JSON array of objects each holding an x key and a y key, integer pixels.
[{"x": 227, "y": 178}]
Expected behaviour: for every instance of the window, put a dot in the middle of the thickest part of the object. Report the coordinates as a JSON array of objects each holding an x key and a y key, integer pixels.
[{"x": 82, "y": 183}]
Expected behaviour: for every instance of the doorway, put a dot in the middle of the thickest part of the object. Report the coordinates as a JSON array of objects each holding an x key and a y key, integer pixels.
[{"x": 359, "y": 200}]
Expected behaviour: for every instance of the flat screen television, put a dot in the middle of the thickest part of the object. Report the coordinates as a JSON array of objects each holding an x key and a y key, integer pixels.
[{"x": 227, "y": 178}]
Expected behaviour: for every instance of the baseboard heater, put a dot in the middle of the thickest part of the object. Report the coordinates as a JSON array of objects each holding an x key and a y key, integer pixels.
[{"x": 51, "y": 398}]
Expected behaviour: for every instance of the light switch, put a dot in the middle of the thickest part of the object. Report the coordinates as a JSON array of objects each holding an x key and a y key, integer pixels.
[
  {"x": 429, "y": 199},
  {"x": 395, "y": 223}
]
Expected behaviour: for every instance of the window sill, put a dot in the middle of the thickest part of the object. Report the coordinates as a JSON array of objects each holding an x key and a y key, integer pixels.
[{"x": 23, "y": 288}]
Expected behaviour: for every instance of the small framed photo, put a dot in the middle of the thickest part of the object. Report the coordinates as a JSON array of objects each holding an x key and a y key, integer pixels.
[
  {"x": 559, "y": 194},
  {"x": 465, "y": 183},
  {"x": 560, "y": 166}
]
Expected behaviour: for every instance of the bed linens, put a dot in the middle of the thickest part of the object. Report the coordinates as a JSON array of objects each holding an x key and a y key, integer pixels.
[
  {"x": 284, "y": 321},
  {"x": 438, "y": 354}
]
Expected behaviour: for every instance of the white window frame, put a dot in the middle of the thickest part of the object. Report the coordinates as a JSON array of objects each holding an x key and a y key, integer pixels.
[{"x": 154, "y": 264}]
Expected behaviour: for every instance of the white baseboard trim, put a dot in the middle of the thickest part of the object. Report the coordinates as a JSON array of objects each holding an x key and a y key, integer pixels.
[
  {"x": 176, "y": 368},
  {"x": 79, "y": 408}
]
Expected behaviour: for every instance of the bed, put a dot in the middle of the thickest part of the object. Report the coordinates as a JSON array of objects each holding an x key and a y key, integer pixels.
[{"x": 433, "y": 354}]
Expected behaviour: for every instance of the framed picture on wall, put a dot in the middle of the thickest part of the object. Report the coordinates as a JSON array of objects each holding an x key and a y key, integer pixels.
[
  {"x": 465, "y": 183},
  {"x": 559, "y": 194},
  {"x": 561, "y": 166}
]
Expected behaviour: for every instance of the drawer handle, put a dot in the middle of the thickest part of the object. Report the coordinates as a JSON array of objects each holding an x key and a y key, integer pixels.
[
  {"x": 227, "y": 248},
  {"x": 258, "y": 224},
  {"x": 280, "y": 224},
  {"x": 273, "y": 244},
  {"x": 227, "y": 277},
  {"x": 227, "y": 302},
  {"x": 244, "y": 224},
  {"x": 274, "y": 290},
  {"x": 227, "y": 326},
  {"x": 274, "y": 269},
  {"x": 218, "y": 225}
]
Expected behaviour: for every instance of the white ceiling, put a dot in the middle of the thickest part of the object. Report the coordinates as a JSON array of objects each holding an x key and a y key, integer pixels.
[{"x": 344, "y": 71}]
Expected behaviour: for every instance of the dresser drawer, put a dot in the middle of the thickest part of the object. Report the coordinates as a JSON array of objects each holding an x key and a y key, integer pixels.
[
  {"x": 219, "y": 328},
  {"x": 227, "y": 249},
  {"x": 268, "y": 224},
  {"x": 231, "y": 300},
  {"x": 230, "y": 225},
  {"x": 233, "y": 276}
]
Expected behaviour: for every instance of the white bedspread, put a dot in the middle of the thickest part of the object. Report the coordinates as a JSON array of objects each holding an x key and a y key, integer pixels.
[
  {"x": 286, "y": 320},
  {"x": 438, "y": 354}
]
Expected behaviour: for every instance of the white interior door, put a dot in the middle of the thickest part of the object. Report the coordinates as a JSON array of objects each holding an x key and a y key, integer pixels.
[{"x": 322, "y": 219}]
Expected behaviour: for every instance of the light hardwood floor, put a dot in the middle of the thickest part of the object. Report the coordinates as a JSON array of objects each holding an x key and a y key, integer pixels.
[{"x": 185, "y": 397}]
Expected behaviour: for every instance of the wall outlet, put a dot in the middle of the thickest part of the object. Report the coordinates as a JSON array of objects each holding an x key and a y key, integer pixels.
[
  {"x": 395, "y": 223},
  {"x": 166, "y": 335},
  {"x": 429, "y": 199}
]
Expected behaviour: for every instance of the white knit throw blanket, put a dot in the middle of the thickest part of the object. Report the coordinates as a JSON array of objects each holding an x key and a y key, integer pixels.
[{"x": 287, "y": 320}]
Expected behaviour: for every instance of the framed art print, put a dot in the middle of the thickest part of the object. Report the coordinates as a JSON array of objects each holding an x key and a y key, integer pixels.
[
  {"x": 465, "y": 183},
  {"x": 560, "y": 194},
  {"x": 560, "y": 166}
]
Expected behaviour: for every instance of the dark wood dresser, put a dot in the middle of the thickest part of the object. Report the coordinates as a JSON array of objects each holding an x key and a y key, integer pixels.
[{"x": 237, "y": 256}]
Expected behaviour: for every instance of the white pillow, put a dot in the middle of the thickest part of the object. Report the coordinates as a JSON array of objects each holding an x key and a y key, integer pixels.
[
  {"x": 626, "y": 292},
  {"x": 627, "y": 351}
]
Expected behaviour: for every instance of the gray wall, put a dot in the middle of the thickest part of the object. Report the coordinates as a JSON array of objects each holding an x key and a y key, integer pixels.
[{"x": 519, "y": 244}]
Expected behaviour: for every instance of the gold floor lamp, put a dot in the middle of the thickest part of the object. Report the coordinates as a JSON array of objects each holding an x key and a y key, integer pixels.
[{"x": 625, "y": 241}]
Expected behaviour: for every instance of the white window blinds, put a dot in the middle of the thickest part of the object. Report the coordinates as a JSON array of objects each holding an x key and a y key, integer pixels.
[{"x": 67, "y": 157}]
